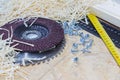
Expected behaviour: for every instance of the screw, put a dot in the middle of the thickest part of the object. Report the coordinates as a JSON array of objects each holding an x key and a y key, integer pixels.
[
  {"x": 74, "y": 48},
  {"x": 85, "y": 50},
  {"x": 70, "y": 32},
  {"x": 81, "y": 34},
  {"x": 65, "y": 24},
  {"x": 86, "y": 36},
  {"x": 75, "y": 59},
  {"x": 73, "y": 22},
  {"x": 74, "y": 51},
  {"x": 65, "y": 27},
  {"x": 87, "y": 47},
  {"x": 82, "y": 41},
  {"x": 75, "y": 45}
]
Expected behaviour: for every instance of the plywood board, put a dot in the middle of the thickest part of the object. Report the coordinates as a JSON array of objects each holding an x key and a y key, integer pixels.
[{"x": 97, "y": 65}]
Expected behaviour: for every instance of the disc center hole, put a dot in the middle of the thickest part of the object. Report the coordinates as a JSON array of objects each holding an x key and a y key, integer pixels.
[{"x": 31, "y": 35}]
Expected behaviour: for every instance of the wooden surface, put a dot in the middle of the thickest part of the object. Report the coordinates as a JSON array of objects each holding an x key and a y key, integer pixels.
[{"x": 97, "y": 65}]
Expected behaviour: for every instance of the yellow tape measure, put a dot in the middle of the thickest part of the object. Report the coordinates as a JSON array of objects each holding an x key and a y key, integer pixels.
[{"x": 110, "y": 45}]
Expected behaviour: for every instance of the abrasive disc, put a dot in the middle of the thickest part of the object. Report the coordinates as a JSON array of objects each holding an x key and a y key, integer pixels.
[{"x": 44, "y": 34}]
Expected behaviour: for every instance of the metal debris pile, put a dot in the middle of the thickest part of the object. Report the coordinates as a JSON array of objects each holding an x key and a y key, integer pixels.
[{"x": 85, "y": 41}]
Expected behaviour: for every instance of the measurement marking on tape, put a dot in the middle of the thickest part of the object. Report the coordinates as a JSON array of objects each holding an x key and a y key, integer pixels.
[{"x": 103, "y": 34}]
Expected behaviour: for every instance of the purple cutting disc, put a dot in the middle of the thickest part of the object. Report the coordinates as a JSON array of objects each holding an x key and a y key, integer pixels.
[{"x": 44, "y": 34}]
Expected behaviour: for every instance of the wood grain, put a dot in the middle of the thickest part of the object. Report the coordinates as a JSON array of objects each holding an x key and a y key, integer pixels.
[{"x": 97, "y": 65}]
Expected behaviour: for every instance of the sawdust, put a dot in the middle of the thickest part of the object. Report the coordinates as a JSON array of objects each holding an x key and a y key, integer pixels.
[{"x": 53, "y": 9}]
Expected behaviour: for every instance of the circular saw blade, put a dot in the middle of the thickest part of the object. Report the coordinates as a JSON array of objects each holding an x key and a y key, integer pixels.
[{"x": 28, "y": 58}]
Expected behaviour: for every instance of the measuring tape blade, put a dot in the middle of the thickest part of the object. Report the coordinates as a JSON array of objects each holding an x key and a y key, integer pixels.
[{"x": 103, "y": 34}]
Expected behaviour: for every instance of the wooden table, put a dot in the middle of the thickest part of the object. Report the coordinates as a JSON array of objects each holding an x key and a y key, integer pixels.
[{"x": 97, "y": 65}]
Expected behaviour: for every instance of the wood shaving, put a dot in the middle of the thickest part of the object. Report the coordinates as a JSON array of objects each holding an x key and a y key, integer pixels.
[
  {"x": 53, "y": 9},
  {"x": 25, "y": 9}
]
